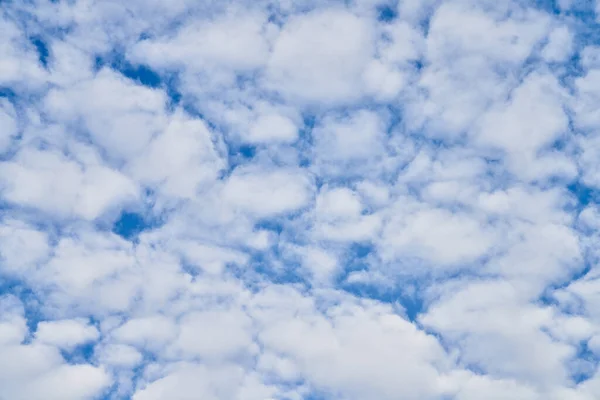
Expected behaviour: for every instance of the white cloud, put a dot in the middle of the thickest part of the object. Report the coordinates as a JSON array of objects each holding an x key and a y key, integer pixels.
[
  {"x": 415, "y": 11},
  {"x": 588, "y": 87},
  {"x": 13, "y": 327},
  {"x": 68, "y": 382},
  {"x": 82, "y": 272},
  {"x": 383, "y": 82},
  {"x": 8, "y": 121},
  {"x": 119, "y": 115},
  {"x": 179, "y": 160},
  {"x": 457, "y": 27},
  {"x": 272, "y": 128},
  {"x": 66, "y": 334},
  {"x": 320, "y": 56},
  {"x": 320, "y": 263},
  {"x": 526, "y": 203},
  {"x": 586, "y": 118},
  {"x": 153, "y": 332},
  {"x": 234, "y": 41},
  {"x": 21, "y": 247},
  {"x": 338, "y": 203},
  {"x": 470, "y": 58},
  {"x": 37, "y": 371},
  {"x": 119, "y": 355},
  {"x": 19, "y": 64},
  {"x": 511, "y": 331},
  {"x": 70, "y": 63},
  {"x": 375, "y": 194},
  {"x": 353, "y": 349},
  {"x": 402, "y": 43},
  {"x": 344, "y": 139},
  {"x": 532, "y": 119},
  {"x": 265, "y": 193},
  {"x": 52, "y": 183},
  {"x": 473, "y": 386},
  {"x": 550, "y": 252},
  {"x": 188, "y": 381},
  {"x": 437, "y": 236},
  {"x": 339, "y": 217},
  {"x": 559, "y": 46},
  {"x": 209, "y": 258},
  {"x": 526, "y": 128},
  {"x": 213, "y": 335},
  {"x": 590, "y": 57}
]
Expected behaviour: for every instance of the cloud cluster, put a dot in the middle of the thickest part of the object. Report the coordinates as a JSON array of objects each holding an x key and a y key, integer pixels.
[{"x": 295, "y": 200}]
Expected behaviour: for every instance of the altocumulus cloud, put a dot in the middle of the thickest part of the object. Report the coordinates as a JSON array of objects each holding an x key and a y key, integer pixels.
[{"x": 313, "y": 199}]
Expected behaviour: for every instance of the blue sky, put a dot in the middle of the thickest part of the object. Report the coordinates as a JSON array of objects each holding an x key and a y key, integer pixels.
[{"x": 293, "y": 200}]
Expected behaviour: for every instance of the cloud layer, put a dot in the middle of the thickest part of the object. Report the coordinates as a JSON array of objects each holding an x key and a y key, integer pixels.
[{"x": 293, "y": 200}]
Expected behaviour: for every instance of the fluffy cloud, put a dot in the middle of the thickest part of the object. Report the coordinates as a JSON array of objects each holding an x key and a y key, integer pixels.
[
  {"x": 352, "y": 349},
  {"x": 272, "y": 128},
  {"x": 123, "y": 127},
  {"x": 236, "y": 41},
  {"x": 50, "y": 182},
  {"x": 37, "y": 370},
  {"x": 66, "y": 334},
  {"x": 267, "y": 193},
  {"x": 436, "y": 235},
  {"x": 179, "y": 160},
  {"x": 182, "y": 382},
  {"x": 8, "y": 120},
  {"x": 320, "y": 57}
]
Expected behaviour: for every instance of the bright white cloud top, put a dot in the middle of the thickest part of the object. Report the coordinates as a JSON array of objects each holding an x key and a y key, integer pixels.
[{"x": 299, "y": 200}]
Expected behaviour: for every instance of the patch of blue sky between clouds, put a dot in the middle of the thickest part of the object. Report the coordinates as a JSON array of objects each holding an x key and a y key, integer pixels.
[
  {"x": 130, "y": 224},
  {"x": 387, "y": 12},
  {"x": 42, "y": 50}
]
